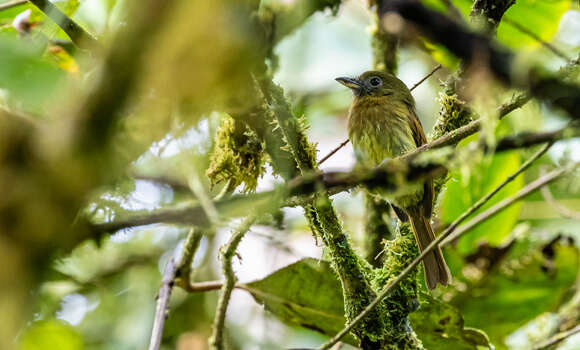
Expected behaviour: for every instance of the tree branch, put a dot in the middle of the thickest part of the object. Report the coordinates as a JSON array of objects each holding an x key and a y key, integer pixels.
[
  {"x": 388, "y": 177},
  {"x": 542, "y": 181},
  {"x": 216, "y": 341},
  {"x": 80, "y": 37}
]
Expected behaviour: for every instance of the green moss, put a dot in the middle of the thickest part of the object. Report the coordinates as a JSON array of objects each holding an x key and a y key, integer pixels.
[
  {"x": 238, "y": 156},
  {"x": 453, "y": 114}
]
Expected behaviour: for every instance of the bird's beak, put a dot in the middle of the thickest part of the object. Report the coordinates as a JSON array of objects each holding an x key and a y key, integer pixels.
[{"x": 351, "y": 83}]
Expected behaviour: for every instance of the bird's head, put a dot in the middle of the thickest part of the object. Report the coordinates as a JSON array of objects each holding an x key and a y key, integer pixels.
[{"x": 376, "y": 84}]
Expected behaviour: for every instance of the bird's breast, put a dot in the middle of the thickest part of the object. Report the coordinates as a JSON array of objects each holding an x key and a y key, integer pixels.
[{"x": 378, "y": 131}]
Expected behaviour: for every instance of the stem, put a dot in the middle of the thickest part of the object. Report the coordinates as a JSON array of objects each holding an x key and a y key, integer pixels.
[
  {"x": 216, "y": 341},
  {"x": 542, "y": 181},
  {"x": 557, "y": 338},
  {"x": 9, "y": 5}
]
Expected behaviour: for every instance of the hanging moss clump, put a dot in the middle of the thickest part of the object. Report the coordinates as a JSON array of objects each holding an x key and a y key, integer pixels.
[{"x": 238, "y": 156}]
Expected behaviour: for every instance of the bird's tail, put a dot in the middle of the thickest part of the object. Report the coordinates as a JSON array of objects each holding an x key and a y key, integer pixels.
[{"x": 436, "y": 270}]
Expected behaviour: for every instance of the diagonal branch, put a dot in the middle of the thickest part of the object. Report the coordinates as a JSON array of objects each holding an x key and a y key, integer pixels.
[
  {"x": 76, "y": 33},
  {"x": 542, "y": 181}
]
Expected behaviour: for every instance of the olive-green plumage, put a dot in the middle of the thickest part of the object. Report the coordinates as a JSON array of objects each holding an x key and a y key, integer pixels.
[{"x": 382, "y": 123}]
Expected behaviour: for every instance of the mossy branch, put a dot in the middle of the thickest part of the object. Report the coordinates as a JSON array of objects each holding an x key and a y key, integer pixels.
[
  {"x": 352, "y": 270},
  {"x": 228, "y": 250},
  {"x": 300, "y": 191}
]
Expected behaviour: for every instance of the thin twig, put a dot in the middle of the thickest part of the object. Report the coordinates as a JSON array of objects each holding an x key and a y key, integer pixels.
[
  {"x": 488, "y": 196},
  {"x": 437, "y": 67},
  {"x": 331, "y": 153},
  {"x": 532, "y": 35},
  {"x": 447, "y": 234},
  {"x": 344, "y": 143},
  {"x": 12, "y": 4},
  {"x": 76, "y": 33},
  {"x": 560, "y": 208},
  {"x": 557, "y": 338},
  {"x": 162, "y": 304},
  {"x": 167, "y": 282},
  {"x": 216, "y": 341}
]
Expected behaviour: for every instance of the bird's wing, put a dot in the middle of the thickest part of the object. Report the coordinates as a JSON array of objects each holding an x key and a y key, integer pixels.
[{"x": 428, "y": 190}]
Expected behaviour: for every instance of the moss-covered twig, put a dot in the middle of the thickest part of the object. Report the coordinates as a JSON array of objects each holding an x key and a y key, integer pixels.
[
  {"x": 450, "y": 235},
  {"x": 216, "y": 341},
  {"x": 299, "y": 191},
  {"x": 79, "y": 36}
]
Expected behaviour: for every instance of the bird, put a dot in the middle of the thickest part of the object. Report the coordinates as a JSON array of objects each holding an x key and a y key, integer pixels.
[{"x": 383, "y": 124}]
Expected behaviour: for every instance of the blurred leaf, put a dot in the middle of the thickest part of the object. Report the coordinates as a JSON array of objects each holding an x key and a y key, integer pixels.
[
  {"x": 465, "y": 188},
  {"x": 28, "y": 78},
  {"x": 532, "y": 279},
  {"x": 50, "y": 335},
  {"x": 539, "y": 16},
  {"x": 440, "y": 325},
  {"x": 308, "y": 294}
]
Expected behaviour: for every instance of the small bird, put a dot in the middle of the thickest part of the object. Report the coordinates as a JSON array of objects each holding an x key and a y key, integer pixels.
[{"x": 382, "y": 123}]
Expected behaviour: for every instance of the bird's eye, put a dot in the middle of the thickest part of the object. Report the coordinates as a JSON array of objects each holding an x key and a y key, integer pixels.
[{"x": 375, "y": 81}]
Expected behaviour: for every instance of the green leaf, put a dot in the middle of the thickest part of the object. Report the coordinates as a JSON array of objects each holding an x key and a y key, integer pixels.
[
  {"x": 308, "y": 294},
  {"x": 305, "y": 294},
  {"x": 440, "y": 325},
  {"x": 524, "y": 284},
  {"x": 464, "y": 189},
  {"x": 50, "y": 335}
]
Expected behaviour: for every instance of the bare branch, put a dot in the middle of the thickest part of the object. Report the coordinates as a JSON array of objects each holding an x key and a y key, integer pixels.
[
  {"x": 172, "y": 270},
  {"x": 162, "y": 304},
  {"x": 542, "y": 181}
]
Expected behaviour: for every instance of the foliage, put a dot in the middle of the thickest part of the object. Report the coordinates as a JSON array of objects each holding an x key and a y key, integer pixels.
[{"x": 185, "y": 116}]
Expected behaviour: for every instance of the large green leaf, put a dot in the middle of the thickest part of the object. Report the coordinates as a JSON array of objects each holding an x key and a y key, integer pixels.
[
  {"x": 305, "y": 294},
  {"x": 308, "y": 294},
  {"x": 465, "y": 188},
  {"x": 531, "y": 278}
]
